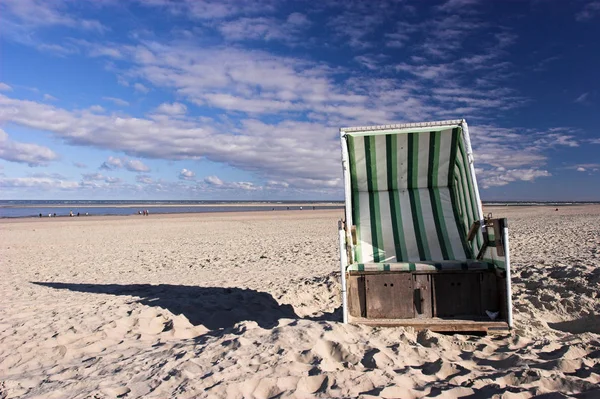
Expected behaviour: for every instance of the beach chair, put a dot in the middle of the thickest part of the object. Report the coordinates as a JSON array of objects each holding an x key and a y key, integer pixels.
[{"x": 416, "y": 249}]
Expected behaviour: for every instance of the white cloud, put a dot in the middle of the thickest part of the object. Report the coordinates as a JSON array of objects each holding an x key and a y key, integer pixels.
[
  {"x": 589, "y": 11},
  {"x": 582, "y": 98},
  {"x": 502, "y": 177},
  {"x": 172, "y": 108},
  {"x": 5, "y": 87},
  {"x": 140, "y": 88},
  {"x": 277, "y": 184},
  {"x": 29, "y": 153},
  {"x": 38, "y": 183},
  {"x": 133, "y": 165},
  {"x": 48, "y": 97},
  {"x": 213, "y": 9},
  {"x": 306, "y": 150},
  {"x": 262, "y": 28},
  {"x": 586, "y": 167},
  {"x": 302, "y": 154},
  {"x": 92, "y": 176},
  {"x": 298, "y": 19},
  {"x": 104, "y": 51},
  {"x": 116, "y": 101},
  {"x": 87, "y": 177},
  {"x": 57, "y": 49},
  {"x": 22, "y": 15},
  {"x": 353, "y": 22},
  {"x": 80, "y": 165},
  {"x": 96, "y": 108},
  {"x": 144, "y": 179},
  {"x": 396, "y": 39},
  {"x": 215, "y": 182},
  {"x": 505, "y": 155},
  {"x": 187, "y": 174},
  {"x": 457, "y": 5},
  {"x": 112, "y": 163}
]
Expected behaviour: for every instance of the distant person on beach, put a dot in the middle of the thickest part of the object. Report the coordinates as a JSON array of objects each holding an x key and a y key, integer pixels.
[
  {"x": 77, "y": 213},
  {"x": 54, "y": 215},
  {"x": 70, "y": 213},
  {"x": 40, "y": 215}
]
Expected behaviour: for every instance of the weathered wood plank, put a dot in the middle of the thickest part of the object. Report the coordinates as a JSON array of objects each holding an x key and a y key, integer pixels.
[
  {"x": 501, "y": 287},
  {"x": 438, "y": 325},
  {"x": 489, "y": 292},
  {"x": 355, "y": 285},
  {"x": 457, "y": 295},
  {"x": 423, "y": 297},
  {"x": 389, "y": 296}
]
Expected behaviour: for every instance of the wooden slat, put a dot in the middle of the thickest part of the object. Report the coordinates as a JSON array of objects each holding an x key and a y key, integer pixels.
[
  {"x": 423, "y": 298},
  {"x": 457, "y": 295},
  {"x": 489, "y": 292},
  {"x": 438, "y": 325},
  {"x": 473, "y": 230},
  {"x": 498, "y": 237},
  {"x": 501, "y": 287},
  {"x": 389, "y": 296},
  {"x": 355, "y": 286}
]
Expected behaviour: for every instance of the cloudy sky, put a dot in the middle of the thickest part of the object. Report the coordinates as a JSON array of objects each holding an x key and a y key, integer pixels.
[{"x": 232, "y": 99}]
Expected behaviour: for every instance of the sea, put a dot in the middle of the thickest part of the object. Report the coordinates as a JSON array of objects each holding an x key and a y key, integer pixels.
[
  {"x": 60, "y": 208},
  {"x": 63, "y": 208}
]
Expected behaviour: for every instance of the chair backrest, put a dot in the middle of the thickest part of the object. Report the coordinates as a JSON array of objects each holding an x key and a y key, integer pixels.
[{"x": 412, "y": 193}]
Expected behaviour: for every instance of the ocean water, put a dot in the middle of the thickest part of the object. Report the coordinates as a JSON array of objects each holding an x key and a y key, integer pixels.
[
  {"x": 31, "y": 208},
  {"x": 26, "y": 208}
]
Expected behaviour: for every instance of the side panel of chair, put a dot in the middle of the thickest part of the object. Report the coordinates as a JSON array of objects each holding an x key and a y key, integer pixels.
[
  {"x": 347, "y": 187},
  {"x": 504, "y": 281},
  {"x": 346, "y": 244},
  {"x": 508, "y": 284},
  {"x": 498, "y": 253},
  {"x": 357, "y": 301}
]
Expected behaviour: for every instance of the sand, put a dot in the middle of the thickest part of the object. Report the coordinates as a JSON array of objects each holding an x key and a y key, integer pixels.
[{"x": 246, "y": 305}]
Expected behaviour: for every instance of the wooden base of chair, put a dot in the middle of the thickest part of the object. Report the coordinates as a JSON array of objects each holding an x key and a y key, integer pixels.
[
  {"x": 442, "y": 302},
  {"x": 438, "y": 325}
]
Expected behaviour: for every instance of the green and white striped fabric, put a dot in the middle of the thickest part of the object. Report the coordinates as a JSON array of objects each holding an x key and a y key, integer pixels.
[{"x": 412, "y": 196}]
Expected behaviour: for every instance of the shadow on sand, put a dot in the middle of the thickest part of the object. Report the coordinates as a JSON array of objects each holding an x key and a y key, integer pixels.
[
  {"x": 213, "y": 307},
  {"x": 578, "y": 326}
]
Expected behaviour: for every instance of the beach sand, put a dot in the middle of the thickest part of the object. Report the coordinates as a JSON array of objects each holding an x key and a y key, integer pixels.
[{"x": 247, "y": 305}]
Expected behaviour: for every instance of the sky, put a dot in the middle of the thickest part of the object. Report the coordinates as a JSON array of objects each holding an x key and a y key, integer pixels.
[{"x": 243, "y": 100}]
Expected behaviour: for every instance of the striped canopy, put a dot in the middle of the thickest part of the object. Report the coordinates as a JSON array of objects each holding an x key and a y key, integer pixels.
[{"x": 412, "y": 195}]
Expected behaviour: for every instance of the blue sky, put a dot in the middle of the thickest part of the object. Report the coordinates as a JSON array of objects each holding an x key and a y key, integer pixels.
[{"x": 225, "y": 99}]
